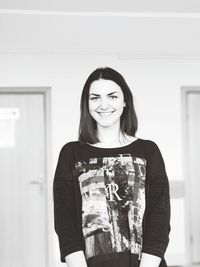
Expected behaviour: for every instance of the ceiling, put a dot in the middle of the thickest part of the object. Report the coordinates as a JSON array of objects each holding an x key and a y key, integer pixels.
[
  {"x": 123, "y": 28},
  {"x": 104, "y": 5}
]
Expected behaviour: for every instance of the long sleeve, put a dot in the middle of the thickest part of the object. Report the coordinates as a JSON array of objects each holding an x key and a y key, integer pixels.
[
  {"x": 157, "y": 221},
  {"x": 64, "y": 206}
]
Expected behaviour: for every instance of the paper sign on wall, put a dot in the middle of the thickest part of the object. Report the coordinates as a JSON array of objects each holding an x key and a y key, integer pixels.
[
  {"x": 9, "y": 114},
  {"x": 8, "y": 117}
]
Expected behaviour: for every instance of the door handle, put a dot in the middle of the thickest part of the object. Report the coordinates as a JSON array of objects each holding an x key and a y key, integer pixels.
[{"x": 39, "y": 182}]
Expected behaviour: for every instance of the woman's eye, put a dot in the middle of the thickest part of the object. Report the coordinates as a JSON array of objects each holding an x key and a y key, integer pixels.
[
  {"x": 93, "y": 98},
  {"x": 113, "y": 96}
]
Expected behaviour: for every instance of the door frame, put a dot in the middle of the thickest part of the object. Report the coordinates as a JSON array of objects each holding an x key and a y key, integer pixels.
[
  {"x": 185, "y": 90},
  {"x": 46, "y": 92}
]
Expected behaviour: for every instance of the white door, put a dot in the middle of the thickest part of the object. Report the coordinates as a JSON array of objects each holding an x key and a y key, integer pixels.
[
  {"x": 22, "y": 175},
  {"x": 193, "y": 126}
]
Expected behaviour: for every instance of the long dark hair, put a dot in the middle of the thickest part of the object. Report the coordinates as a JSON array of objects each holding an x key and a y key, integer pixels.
[{"x": 128, "y": 119}]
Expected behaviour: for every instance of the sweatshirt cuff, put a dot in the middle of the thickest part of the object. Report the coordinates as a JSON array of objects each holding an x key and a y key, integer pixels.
[
  {"x": 65, "y": 253},
  {"x": 154, "y": 251}
]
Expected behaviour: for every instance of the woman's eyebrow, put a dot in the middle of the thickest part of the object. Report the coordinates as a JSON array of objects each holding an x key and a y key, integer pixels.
[
  {"x": 108, "y": 94},
  {"x": 113, "y": 93}
]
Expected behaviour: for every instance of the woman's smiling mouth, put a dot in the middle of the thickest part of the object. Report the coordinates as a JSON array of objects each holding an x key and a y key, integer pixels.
[{"x": 105, "y": 113}]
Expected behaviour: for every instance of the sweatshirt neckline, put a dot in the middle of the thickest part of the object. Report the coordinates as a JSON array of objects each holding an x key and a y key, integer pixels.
[{"x": 112, "y": 148}]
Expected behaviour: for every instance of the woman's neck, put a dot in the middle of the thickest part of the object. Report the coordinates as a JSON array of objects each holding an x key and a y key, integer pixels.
[
  {"x": 108, "y": 135},
  {"x": 112, "y": 137}
]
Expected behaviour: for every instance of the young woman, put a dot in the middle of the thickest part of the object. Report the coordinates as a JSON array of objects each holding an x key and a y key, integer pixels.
[{"x": 111, "y": 191}]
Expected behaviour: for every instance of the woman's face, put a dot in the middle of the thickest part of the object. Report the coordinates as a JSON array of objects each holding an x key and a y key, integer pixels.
[{"x": 106, "y": 102}]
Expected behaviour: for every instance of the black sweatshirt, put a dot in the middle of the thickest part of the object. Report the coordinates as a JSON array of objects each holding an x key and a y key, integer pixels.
[{"x": 112, "y": 203}]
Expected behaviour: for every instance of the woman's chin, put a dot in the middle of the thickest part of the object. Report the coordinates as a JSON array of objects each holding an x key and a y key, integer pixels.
[{"x": 106, "y": 123}]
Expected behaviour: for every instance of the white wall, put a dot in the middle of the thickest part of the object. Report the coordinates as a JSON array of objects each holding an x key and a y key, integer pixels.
[{"x": 155, "y": 84}]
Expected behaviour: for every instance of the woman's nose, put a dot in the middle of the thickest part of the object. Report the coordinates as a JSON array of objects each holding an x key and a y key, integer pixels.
[{"x": 104, "y": 104}]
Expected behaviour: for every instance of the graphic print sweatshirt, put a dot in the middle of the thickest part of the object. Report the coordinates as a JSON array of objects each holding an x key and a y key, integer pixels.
[{"x": 112, "y": 203}]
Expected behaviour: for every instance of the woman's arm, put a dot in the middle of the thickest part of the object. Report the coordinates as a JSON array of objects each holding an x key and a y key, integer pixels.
[
  {"x": 157, "y": 213},
  {"x": 76, "y": 259},
  {"x": 65, "y": 221},
  {"x": 148, "y": 260}
]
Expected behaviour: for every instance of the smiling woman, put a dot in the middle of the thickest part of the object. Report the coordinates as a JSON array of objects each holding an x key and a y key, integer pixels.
[
  {"x": 107, "y": 110},
  {"x": 111, "y": 190},
  {"x": 106, "y": 103}
]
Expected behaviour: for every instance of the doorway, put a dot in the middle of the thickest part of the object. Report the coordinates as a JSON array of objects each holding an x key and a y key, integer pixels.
[
  {"x": 24, "y": 171},
  {"x": 191, "y": 157}
]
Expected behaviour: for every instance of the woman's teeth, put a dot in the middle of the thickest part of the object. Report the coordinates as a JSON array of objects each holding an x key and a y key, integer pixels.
[{"x": 105, "y": 113}]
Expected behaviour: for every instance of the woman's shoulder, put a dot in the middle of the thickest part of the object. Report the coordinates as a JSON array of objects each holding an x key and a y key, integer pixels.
[
  {"x": 149, "y": 142},
  {"x": 150, "y": 146},
  {"x": 69, "y": 147},
  {"x": 152, "y": 150}
]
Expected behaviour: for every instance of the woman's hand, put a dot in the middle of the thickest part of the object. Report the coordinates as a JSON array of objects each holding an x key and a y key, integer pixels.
[
  {"x": 148, "y": 260},
  {"x": 76, "y": 259}
]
